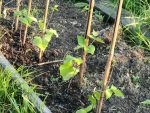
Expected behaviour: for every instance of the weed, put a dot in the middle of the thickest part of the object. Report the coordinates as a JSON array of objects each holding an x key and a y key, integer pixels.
[{"x": 136, "y": 80}]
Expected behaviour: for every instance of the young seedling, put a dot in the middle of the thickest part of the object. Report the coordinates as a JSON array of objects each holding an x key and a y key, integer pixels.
[
  {"x": 17, "y": 17},
  {"x": 110, "y": 58},
  {"x": 42, "y": 42},
  {"x": 26, "y": 27},
  {"x": 88, "y": 32},
  {"x": 71, "y": 64},
  {"x": 70, "y": 67},
  {"x": 94, "y": 98}
]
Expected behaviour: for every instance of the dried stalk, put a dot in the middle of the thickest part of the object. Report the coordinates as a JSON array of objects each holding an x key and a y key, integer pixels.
[
  {"x": 44, "y": 28},
  {"x": 26, "y": 27},
  {"x": 110, "y": 58},
  {"x": 83, "y": 66},
  {"x": 17, "y": 18}
]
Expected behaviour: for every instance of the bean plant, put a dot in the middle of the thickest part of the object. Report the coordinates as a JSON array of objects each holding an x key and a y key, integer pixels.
[
  {"x": 95, "y": 96},
  {"x": 71, "y": 65},
  {"x": 42, "y": 41},
  {"x": 24, "y": 18}
]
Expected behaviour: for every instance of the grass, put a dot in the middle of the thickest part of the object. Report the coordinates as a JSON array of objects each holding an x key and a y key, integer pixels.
[
  {"x": 141, "y": 10},
  {"x": 12, "y": 98},
  {"x": 137, "y": 7}
]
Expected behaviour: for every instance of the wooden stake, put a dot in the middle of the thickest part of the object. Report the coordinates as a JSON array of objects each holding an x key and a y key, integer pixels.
[
  {"x": 17, "y": 18},
  {"x": 26, "y": 27},
  {"x": 44, "y": 28},
  {"x": 88, "y": 32},
  {"x": 110, "y": 58}
]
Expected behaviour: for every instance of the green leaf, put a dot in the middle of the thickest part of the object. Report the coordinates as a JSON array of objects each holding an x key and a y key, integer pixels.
[
  {"x": 81, "y": 41},
  {"x": 78, "y": 60},
  {"x": 91, "y": 49},
  {"x": 92, "y": 100},
  {"x": 116, "y": 91},
  {"x": 78, "y": 47},
  {"x": 81, "y": 111},
  {"x": 24, "y": 12},
  {"x": 96, "y": 94},
  {"x": 31, "y": 18},
  {"x": 108, "y": 93},
  {"x": 146, "y": 102},
  {"x": 38, "y": 42},
  {"x": 52, "y": 32},
  {"x": 24, "y": 21},
  {"x": 100, "y": 40},
  {"x": 55, "y": 8},
  {"x": 95, "y": 33},
  {"x": 47, "y": 38},
  {"x": 41, "y": 24},
  {"x": 89, "y": 108},
  {"x": 67, "y": 71},
  {"x": 17, "y": 13},
  {"x": 81, "y": 4},
  {"x": 68, "y": 58}
]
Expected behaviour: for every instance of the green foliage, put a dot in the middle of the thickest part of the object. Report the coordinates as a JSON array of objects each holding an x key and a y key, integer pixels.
[
  {"x": 82, "y": 44},
  {"x": 70, "y": 67},
  {"x": 146, "y": 102},
  {"x": 55, "y": 8},
  {"x": 24, "y": 17},
  {"x": 12, "y": 98},
  {"x": 135, "y": 6},
  {"x": 96, "y": 96},
  {"x": 83, "y": 6},
  {"x": 113, "y": 90},
  {"x": 94, "y": 36},
  {"x": 42, "y": 42}
]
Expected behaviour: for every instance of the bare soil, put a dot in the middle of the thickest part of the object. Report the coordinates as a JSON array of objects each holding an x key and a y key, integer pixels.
[{"x": 67, "y": 97}]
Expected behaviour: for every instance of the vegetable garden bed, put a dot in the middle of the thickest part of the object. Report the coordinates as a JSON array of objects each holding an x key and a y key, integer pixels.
[{"x": 130, "y": 71}]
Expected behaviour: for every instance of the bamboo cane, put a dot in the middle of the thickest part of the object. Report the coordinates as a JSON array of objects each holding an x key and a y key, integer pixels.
[
  {"x": 90, "y": 15},
  {"x": 26, "y": 27},
  {"x": 17, "y": 18},
  {"x": 44, "y": 28},
  {"x": 82, "y": 67},
  {"x": 1, "y": 2},
  {"x": 110, "y": 58}
]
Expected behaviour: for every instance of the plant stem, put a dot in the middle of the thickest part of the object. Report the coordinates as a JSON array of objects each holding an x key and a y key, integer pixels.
[
  {"x": 110, "y": 58},
  {"x": 26, "y": 27},
  {"x": 88, "y": 31},
  {"x": 17, "y": 18},
  {"x": 44, "y": 28}
]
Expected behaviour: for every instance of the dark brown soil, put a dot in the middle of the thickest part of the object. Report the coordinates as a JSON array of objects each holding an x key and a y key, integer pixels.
[{"x": 69, "y": 21}]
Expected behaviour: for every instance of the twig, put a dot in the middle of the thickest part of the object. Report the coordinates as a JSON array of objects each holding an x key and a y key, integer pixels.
[
  {"x": 17, "y": 18},
  {"x": 50, "y": 62},
  {"x": 44, "y": 28},
  {"x": 110, "y": 58},
  {"x": 82, "y": 67},
  {"x": 26, "y": 27}
]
